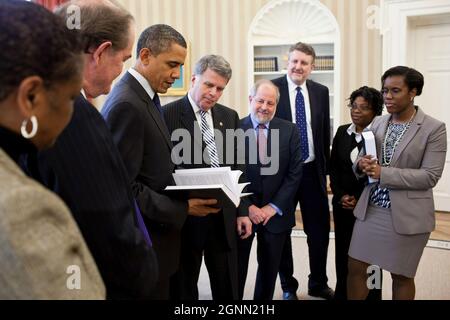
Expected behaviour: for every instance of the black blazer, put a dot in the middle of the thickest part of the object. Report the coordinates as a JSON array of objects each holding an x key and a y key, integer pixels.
[
  {"x": 179, "y": 114},
  {"x": 320, "y": 120},
  {"x": 342, "y": 178},
  {"x": 139, "y": 132},
  {"x": 280, "y": 188},
  {"x": 85, "y": 169}
]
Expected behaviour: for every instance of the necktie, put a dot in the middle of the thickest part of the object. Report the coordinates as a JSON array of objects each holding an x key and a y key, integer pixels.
[
  {"x": 262, "y": 144},
  {"x": 209, "y": 141},
  {"x": 141, "y": 224},
  {"x": 300, "y": 119},
  {"x": 157, "y": 102}
]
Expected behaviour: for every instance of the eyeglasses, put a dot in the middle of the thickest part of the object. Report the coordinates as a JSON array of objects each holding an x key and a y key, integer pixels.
[{"x": 359, "y": 107}]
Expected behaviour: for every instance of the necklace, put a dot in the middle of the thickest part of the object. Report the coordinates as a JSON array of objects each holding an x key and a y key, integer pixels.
[{"x": 393, "y": 137}]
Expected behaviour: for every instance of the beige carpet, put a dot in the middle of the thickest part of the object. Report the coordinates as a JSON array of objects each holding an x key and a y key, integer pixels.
[{"x": 432, "y": 279}]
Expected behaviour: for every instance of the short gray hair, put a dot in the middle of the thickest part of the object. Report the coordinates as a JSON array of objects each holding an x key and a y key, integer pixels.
[
  {"x": 101, "y": 21},
  {"x": 259, "y": 83},
  {"x": 216, "y": 63},
  {"x": 159, "y": 38}
]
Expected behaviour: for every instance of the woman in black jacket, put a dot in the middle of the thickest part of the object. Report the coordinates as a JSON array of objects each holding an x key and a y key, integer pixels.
[{"x": 365, "y": 104}]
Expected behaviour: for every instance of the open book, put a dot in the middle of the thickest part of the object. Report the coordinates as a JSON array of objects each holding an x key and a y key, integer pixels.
[{"x": 209, "y": 183}]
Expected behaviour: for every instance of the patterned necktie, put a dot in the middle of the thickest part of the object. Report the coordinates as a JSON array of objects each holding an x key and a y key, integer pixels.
[
  {"x": 262, "y": 143},
  {"x": 209, "y": 141},
  {"x": 141, "y": 225},
  {"x": 300, "y": 119}
]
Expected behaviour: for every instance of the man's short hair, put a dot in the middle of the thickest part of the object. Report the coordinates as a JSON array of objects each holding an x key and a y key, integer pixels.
[
  {"x": 101, "y": 21},
  {"x": 259, "y": 83},
  {"x": 305, "y": 48},
  {"x": 159, "y": 38},
  {"x": 215, "y": 63},
  {"x": 35, "y": 42}
]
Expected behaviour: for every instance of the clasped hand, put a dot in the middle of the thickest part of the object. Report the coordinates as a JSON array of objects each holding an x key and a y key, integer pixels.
[
  {"x": 369, "y": 165},
  {"x": 261, "y": 215}
]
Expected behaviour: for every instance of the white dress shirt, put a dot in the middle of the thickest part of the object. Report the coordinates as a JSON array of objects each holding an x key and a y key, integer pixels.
[
  {"x": 208, "y": 115},
  {"x": 358, "y": 137},
  {"x": 143, "y": 82}
]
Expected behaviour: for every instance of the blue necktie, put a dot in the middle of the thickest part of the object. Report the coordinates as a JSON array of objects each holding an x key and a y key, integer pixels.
[
  {"x": 157, "y": 103},
  {"x": 141, "y": 225},
  {"x": 300, "y": 119}
]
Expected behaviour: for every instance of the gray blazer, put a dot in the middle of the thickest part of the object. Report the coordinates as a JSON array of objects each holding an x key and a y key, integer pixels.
[
  {"x": 415, "y": 169},
  {"x": 39, "y": 240}
]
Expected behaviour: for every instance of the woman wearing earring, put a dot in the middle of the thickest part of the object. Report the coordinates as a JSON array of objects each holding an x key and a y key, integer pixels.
[
  {"x": 395, "y": 215},
  {"x": 42, "y": 252},
  {"x": 365, "y": 104}
]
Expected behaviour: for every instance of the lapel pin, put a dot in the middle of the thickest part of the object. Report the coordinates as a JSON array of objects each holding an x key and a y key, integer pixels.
[{"x": 221, "y": 124}]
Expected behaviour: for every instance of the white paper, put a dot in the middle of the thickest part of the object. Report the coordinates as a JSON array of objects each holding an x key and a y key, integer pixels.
[
  {"x": 204, "y": 177},
  {"x": 371, "y": 148}
]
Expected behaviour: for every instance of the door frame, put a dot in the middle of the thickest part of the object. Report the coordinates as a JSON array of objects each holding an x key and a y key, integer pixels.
[
  {"x": 395, "y": 17},
  {"x": 398, "y": 21}
]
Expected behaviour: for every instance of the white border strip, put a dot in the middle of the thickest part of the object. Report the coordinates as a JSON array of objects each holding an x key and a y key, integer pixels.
[{"x": 436, "y": 244}]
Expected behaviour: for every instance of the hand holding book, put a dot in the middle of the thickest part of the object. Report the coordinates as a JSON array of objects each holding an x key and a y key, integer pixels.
[
  {"x": 202, "y": 207},
  {"x": 209, "y": 183}
]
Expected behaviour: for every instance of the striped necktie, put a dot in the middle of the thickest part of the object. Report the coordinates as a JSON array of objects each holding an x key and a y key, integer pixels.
[{"x": 209, "y": 141}]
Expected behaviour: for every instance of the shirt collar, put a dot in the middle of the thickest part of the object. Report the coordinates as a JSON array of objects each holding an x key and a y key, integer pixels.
[
  {"x": 143, "y": 82},
  {"x": 293, "y": 87},
  {"x": 255, "y": 123},
  {"x": 195, "y": 107},
  {"x": 352, "y": 129}
]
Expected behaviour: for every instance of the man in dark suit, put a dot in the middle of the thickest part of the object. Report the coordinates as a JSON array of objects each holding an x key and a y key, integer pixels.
[
  {"x": 85, "y": 169},
  {"x": 133, "y": 114},
  {"x": 306, "y": 103},
  {"x": 213, "y": 236},
  {"x": 273, "y": 200}
]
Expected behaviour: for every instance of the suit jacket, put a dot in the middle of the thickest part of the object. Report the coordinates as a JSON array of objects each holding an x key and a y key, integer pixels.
[
  {"x": 280, "y": 188},
  {"x": 39, "y": 240},
  {"x": 416, "y": 167},
  {"x": 179, "y": 114},
  {"x": 320, "y": 120},
  {"x": 342, "y": 179},
  {"x": 143, "y": 140},
  {"x": 85, "y": 169}
]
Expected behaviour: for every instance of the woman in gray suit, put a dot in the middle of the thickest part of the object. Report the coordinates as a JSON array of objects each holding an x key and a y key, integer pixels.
[
  {"x": 395, "y": 215},
  {"x": 42, "y": 253}
]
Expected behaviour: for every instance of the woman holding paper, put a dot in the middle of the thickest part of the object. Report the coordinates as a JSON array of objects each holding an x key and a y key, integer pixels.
[
  {"x": 395, "y": 215},
  {"x": 365, "y": 104}
]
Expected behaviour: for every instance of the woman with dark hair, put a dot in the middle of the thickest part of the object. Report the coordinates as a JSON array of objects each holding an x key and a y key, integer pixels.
[
  {"x": 395, "y": 215},
  {"x": 365, "y": 104},
  {"x": 42, "y": 252}
]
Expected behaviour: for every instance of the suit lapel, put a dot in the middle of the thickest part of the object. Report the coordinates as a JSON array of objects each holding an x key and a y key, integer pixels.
[
  {"x": 218, "y": 122},
  {"x": 285, "y": 101},
  {"x": 189, "y": 121},
  {"x": 151, "y": 108},
  {"x": 313, "y": 106},
  {"x": 409, "y": 135}
]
